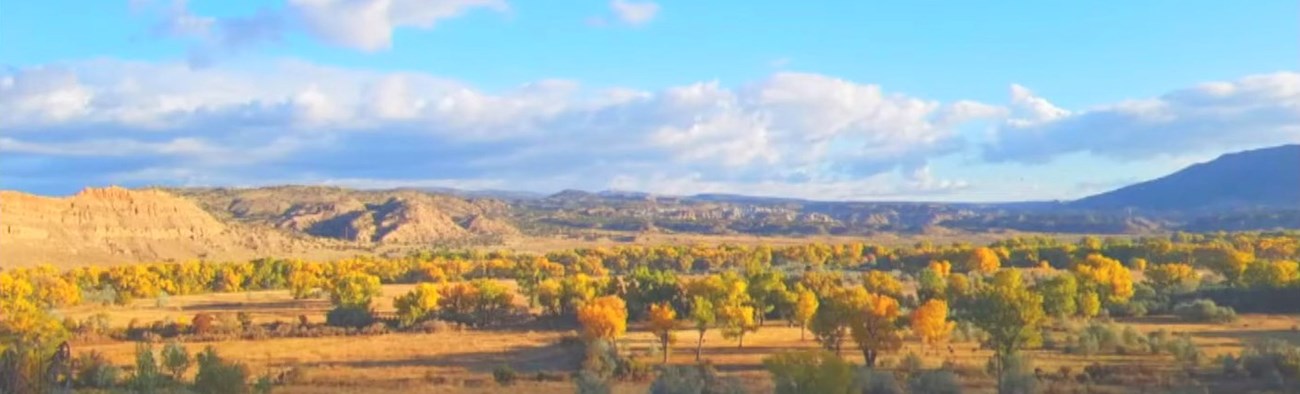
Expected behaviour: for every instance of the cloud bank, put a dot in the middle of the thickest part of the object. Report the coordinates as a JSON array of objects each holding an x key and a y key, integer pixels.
[{"x": 789, "y": 134}]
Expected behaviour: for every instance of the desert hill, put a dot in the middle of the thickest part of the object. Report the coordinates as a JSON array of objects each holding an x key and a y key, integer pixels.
[{"x": 112, "y": 225}]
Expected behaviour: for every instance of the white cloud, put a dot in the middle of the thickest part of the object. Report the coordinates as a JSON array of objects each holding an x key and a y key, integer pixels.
[
  {"x": 634, "y": 13},
  {"x": 366, "y": 25},
  {"x": 1254, "y": 111},
  {"x": 303, "y": 121}
]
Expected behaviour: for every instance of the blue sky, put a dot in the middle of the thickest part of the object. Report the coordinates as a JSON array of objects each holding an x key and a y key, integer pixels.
[{"x": 954, "y": 101}]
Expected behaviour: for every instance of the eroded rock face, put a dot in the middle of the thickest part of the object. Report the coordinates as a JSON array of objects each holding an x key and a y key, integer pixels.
[{"x": 117, "y": 225}]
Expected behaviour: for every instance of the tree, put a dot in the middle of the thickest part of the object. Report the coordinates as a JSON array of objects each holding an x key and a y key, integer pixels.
[
  {"x": 804, "y": 309},
  {"x": 176, "y": 359},
  {"x": 1224, "y": 260},
  {"x": 1107, "y": 277},
  {"x": 217, "y": 376},
  {"x": 737, "y": 319},
  {"x": 810, "y": 371},
  {"x": 702, "y": 315},
  {"x": 1010, "y": 314},
  {"x": 354, "y": 290},
  {"x": 1089, "y": 304},
  {"x": 663, "y": 320},
  {"x": 766, "y": 290},
  {"x": 417, "y": 304},
  {"x": 983, "y": 260},
  {"x": 147, "y": 378},
  {"x": 1173, "y": 278},
  {"x": 603, "y": 318},
  {"x": 647, "y": 287},
  {"x": 930, "y": 322},
  {"x": 836, "y": 313},
  {"x": 873, "y": 326},
  {"x": 881, "y": 282},
  {"x": 1060, "y": 295},
  {"x": 931, "y": 285},
  {"x": 1271, "y": 274}
]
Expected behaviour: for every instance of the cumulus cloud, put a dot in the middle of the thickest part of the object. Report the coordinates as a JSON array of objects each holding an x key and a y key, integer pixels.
[
  {"x": 366, "y": 25},
  {"x": 299, "y": 122},
  {"x": 1253, "y": 111}
]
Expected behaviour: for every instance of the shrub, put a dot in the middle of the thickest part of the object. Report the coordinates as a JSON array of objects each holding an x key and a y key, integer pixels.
[
  {"x": 1270, "y": 357},
  {"x": 175, "y": 359},
  {"x": 147, "y": 377},
  {"x": 876, "y": 382},
  {"x": 504, "y": 375},
  {"x": 912, "y": 363},
  {"x": 217, "y": 376},
  {"x": 94, "y": 371},
  {"x": 349, "y": 317},
  {"x": 809, "y": 371},
  {"x": 940, "y": 381},
  {"x": 588, "y": 382},
  {"x": 693, "y": 379},
  {"x": 1204, "y": 311},
  {"x": 1184, "y": 350}
]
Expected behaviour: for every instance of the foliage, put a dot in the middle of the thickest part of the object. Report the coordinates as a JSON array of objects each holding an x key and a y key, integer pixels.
[
  {"x": 175, "y": 359},
  {"x": 1204, "y": 311},
  {"x": 874, "y": 326},
  {"x": 354, "y": 290},
  {"x": 809, "y": 371},
  {"x": 504, "y": 375},
  {"x": 418, "y": 304},
  {"x": 147, "y": 377},
  {"x": 804, "y": 309},
  {"x": 1105, "y": 276},
  {"x": 1060, "y": 295},
  {"x": 940, "y": 381},
  {"x": 873, "y": 381},
  {"x": 603, "y": 318},
  {"x": 983, "y": 260},
  {"x": 930, "y": 322},
  {"x": 1271, "y": 357},
  {"x": 662, "y": 322},
  {"x": 1011, "y": 315},
  {"x": 94, "y": 371},
  {"x": 881, "y": 282},
  {"x": 218, "y": 376},
  {"x": 1173, "y": 278},
  {"x": 694, "y": 379}
]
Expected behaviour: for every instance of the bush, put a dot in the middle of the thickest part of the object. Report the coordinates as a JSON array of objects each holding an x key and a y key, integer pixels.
[
  {"x": 94, "y": 371},
  {"x": 504, "y": 375},
  {"x": 147, "y": 377},
  {"x": 809, "y": 371},
  {"x": 912, "y": 363},
  {"x": 349, "y": 317},
  {"x": 876, "y": 382},
  {"x": 217, "y": 376},
  {"x": 693, "y": 379},
  {"x": 940, "y": 381},
  {"x": 1184, "y": 350},
  {"x": 1271, "y": 357},
  {"x": 1204, "y": 311},
  {"x": 588, "y": 382}
]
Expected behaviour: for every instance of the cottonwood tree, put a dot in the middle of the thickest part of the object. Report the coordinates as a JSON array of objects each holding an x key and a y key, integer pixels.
[
  {"x": 1011, "y": 315},
  {"x": 662, "y": 322}
]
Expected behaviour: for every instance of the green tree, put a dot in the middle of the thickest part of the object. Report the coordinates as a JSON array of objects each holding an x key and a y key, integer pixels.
[
  {"x": 1010, "y": 314},
  {"x": 176, "y": 359},
  {"x": 1060, "y": 295}
]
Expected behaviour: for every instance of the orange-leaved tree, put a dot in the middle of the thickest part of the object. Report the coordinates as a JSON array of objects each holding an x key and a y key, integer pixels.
[
  {"x": 663, "y": 320},
  {"x": 603, "y": 318},
  {"x": 930, "y": 322}
]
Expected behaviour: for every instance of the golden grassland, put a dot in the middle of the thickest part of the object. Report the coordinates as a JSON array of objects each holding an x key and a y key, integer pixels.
[{"x": 461, "y": 361}]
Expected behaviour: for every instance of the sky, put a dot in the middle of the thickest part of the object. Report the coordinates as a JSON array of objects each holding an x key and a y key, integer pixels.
[{"x": 834, "y": 100}]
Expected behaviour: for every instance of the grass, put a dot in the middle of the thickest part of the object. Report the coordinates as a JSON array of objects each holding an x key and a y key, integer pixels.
[{"x": 462, "y": 361}]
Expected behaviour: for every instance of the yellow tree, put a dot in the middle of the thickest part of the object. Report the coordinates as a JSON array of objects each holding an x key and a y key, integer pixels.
[
  {"x": 983, "y": 260},
  {"x": 930, "y": 322},
  {"x": 941, "y": 267},
  {"x": 737, "y": 319},
  {"x": 1271, "y": 274},
  {"x": 603, "y": 318},
  {"x": 1107, "y": 277},
  {"x": 873, "y": 327},
  {"x": 354, "y": 290},
  {"x": 305, "y": 279},
  {"x": 1173, "y": 277},
  {"x": 804, "y": 309},
  {"x": 417, "y": 304},
  {"x": 662, "y": 322},
  {"x": 881, "y": 282}
]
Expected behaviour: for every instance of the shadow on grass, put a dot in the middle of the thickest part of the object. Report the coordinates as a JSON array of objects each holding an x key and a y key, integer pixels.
[{"x": 556, "y": 356}]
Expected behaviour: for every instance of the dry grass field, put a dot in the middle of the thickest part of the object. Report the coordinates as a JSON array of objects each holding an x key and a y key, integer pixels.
[{"x": 461, "y": 361}]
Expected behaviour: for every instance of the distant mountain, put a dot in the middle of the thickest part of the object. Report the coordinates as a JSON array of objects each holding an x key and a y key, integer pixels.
[{"x": 1267, "y": 178}]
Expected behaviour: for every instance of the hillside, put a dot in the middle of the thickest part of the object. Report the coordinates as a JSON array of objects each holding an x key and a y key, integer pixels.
[
  {"x": 112, "y": 225},
  {"x": 406, "y": 217},
  {"x": 1255, "y": 179}
]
